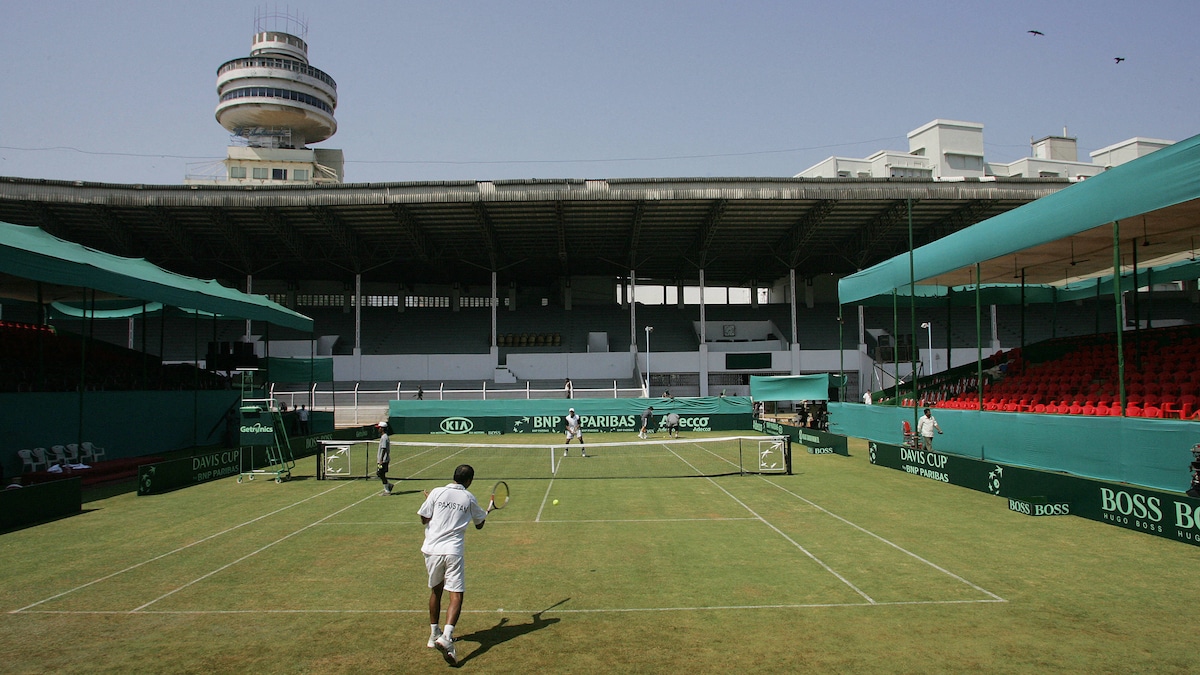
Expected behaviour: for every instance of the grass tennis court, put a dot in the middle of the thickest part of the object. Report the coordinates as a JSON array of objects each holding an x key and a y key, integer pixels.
[{"x": 842, "y": 567}]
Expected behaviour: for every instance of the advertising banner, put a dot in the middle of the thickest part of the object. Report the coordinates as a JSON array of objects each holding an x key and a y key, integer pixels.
[
  {"x": 817, "y": 442},
  {"x": 257, "y": 427},
  {"x": 176, "y": 473},
  {"x": 546, "y": 424},
  {"x": 1163, "y": 514}
]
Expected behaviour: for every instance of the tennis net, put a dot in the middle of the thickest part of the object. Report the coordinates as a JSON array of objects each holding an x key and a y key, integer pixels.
[{"x": 665, "y": 458}]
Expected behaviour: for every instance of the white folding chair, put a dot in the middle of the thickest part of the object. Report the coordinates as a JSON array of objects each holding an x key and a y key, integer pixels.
[
  {"x": 73, "y": 453},
  {"x": 39, "y": 458},
  {"x": 92, "y": 452},
  {"x": 57, "y": 454},
  {"x": 29, "y": 462}
]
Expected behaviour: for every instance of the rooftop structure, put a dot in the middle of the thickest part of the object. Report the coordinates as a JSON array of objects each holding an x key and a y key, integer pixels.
[{"x": 952, "y": 149}]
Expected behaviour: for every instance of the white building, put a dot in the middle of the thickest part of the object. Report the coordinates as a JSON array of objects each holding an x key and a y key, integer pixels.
[{"x": 954, "y": 149}]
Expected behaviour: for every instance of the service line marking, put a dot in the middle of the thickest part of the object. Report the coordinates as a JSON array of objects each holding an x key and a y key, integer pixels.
[
  {"x": 781, "y": 533},
  {"x": 177, "y": 550},
  {"x": 995, "y": 598}
]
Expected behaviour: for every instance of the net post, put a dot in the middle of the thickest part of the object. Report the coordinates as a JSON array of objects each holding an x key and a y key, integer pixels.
[
  {"x": 741, "y": 460},
  {"x": 787, "y": 453}
]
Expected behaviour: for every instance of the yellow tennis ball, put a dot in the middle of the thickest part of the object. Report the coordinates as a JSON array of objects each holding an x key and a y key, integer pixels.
[{"x": 556, "y": 502}]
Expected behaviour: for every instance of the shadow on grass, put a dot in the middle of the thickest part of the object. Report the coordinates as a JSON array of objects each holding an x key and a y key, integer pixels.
[
  {"x": 504, "y": 631},
  {"x": 16, "y": 528}
]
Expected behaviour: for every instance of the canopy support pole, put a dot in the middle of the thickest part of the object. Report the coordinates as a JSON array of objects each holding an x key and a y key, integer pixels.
[
  {"x": 978, "y": 340},
  {"x": 1120, "y": 314},
  {"x": 912, "y": 316}
]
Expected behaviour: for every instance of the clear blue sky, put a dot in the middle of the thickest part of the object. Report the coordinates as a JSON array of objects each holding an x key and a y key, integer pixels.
[{"x": 516, "y": 89}]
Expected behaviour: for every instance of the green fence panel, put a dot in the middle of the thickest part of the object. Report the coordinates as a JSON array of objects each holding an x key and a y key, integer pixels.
[{"x": 1153, "y": 453}]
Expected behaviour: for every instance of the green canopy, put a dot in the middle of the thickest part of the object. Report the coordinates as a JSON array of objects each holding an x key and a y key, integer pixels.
[
  {"x": 30, "y": 253},
  {"x": 790, "y": 387}
]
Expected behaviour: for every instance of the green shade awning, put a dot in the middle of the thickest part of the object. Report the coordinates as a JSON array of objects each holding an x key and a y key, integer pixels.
[{"x": 29, "y": 253}]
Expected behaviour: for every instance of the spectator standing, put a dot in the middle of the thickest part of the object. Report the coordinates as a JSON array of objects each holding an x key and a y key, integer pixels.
[
  {"x": 926, "y": 425},
  {"x": 302, "y": 418}
]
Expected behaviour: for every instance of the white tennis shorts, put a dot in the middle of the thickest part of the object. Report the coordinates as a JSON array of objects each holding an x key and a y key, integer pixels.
[
  {"x": 448, "y": 570},
  {"x": 576, "y": 433}
]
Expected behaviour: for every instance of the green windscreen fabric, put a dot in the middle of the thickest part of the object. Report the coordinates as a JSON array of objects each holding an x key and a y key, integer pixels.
[
  {"x": 1164, "y": 178},
  {"x": 30, "y": 253},
  {"x": 1150, "y": 452},
  {"x": 790, "y": 387},
  {"x": 300, "y": 369}
]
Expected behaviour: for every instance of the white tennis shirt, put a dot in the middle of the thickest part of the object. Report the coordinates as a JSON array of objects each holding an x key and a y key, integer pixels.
[{"x": 449, "y": 510}]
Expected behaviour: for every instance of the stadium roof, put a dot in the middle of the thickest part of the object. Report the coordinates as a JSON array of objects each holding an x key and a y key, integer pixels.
[
  {"x": 1068, "y": 236},
  {"x": 529, "y": 231}
]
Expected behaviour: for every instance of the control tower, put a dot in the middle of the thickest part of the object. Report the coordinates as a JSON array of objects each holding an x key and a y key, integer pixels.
[{"x": 274, "y": 103}]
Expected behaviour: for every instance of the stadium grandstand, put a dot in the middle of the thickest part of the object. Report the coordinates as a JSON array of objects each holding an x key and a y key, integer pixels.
[{"x": 458, "y": 285}]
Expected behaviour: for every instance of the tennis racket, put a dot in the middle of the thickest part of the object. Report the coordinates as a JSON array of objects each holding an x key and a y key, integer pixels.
[{"x": 499, "y": 496}]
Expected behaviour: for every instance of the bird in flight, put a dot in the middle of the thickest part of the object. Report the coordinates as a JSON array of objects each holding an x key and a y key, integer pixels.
[
  {"x": 1118, "y": 59},
  {"x": 1035, "y": 32}
]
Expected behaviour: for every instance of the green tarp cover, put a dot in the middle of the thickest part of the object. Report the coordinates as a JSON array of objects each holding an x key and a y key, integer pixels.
[
  {"x": 300, "y": 369},
  {"x": 30, "y": 253},
  {"x": 702, "y": 405},
  {"x": 1164, "y": 178},
  {"x": 790, "y": 387}
]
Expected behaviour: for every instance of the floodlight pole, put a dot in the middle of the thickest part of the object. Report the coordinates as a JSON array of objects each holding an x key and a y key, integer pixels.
[
  {"x": 649, "y": 330},
  {"x": 928, "y": 326}
]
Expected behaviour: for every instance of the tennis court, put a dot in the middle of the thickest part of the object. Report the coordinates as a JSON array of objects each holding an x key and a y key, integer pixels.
[{"x": 259, "y": 570}]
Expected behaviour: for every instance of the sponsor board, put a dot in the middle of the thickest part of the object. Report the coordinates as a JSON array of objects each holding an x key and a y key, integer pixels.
[
  {"x": 818, "y": 442},
  {"x": 1038, "y": 506},
  {"x": 176, "y": 473},
  {"x": 257, "y": 427},
  {"x": 1163, "y": 514},
  {"x": 547, "y": 424}
]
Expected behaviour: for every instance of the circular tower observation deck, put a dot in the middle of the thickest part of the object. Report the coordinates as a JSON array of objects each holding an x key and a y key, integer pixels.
[{"x": 274, "y": 97}]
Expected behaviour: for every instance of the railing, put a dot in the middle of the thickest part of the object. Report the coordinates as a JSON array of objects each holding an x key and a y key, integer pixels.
[{"x": 358, "y": 406}]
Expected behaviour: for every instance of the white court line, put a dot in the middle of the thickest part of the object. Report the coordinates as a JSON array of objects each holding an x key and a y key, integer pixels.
[
  {"x": 526, "y": 522},
  {"x": 781, "y": 533},
  {"x": 250, "y": 555},
  {"x": 889, "y": 543},
  {"x": 545, "y": 497},
  {"x": 226, "y": 566},
  {"x": 596, "y": 610},
  {"x": 181, "y": 548}
]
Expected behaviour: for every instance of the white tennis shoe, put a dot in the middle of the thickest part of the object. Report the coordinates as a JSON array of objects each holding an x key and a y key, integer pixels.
[{"x": 445, "y": 645}]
